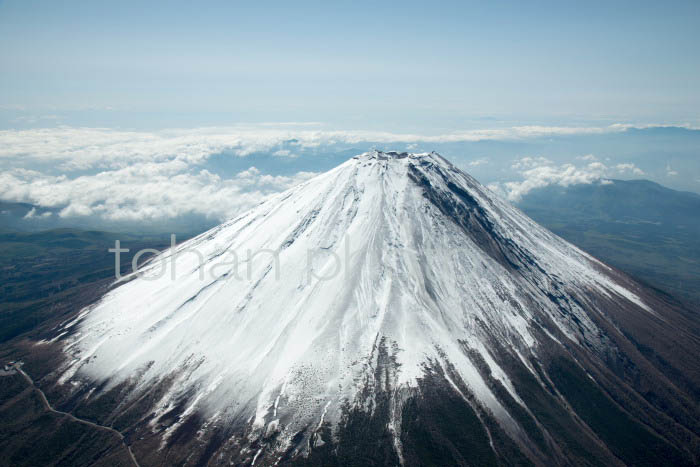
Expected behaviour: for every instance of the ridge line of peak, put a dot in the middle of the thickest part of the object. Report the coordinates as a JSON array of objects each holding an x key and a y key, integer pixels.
[{"x": 391, "y": 155}]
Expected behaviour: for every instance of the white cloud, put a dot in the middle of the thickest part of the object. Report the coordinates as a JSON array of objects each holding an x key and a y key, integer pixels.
[
  {"x": 545, "y": 175},
  {"x": 145, "y": 191},
  {"x": 628, "y": 167},
  {"x": 35, "y": 118},
  {"x": 33, "y": 215},
  {"x": 72, "y": 149},
  {"x": 529, "y": 162},
  {"x": 539, "y": 172},
  {"x": 139, "y": 175},
  {"x": 670, "y": 172},
  {"x": 283, "y": 153},
  {"x": 478, "y": 162},
  {"x": 30, "y": 214}
]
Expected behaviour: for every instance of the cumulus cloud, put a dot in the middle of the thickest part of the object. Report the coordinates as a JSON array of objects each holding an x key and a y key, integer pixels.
[
  {"x": 544, "y": 175},
  {"x": 145, "y": 191},
  {"x": 539, "y": 172},
  {"x": 629, "y": 167},
  {"x": 33, "y": 215},
  {"x": 140, "y": 176}
]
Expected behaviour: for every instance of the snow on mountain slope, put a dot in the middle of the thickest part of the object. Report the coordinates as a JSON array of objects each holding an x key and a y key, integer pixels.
[{"x": 274, "y": 319}]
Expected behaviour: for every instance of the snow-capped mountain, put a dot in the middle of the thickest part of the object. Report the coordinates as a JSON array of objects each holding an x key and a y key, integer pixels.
[{"x": 389, "y": 311}]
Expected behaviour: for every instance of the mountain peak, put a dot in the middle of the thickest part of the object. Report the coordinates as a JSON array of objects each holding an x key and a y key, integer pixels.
[
  {"x": 353, "y": 288},
  {"x": 378, "y": 155}
]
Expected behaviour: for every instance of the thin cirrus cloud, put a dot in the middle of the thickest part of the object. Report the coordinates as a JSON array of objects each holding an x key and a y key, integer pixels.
[
  {"x": 478, "y": 162},
  {"x": 138, "y": 175}
]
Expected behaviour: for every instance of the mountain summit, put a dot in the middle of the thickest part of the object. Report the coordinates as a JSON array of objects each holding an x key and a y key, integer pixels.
[{"x": 390, "y": 311}]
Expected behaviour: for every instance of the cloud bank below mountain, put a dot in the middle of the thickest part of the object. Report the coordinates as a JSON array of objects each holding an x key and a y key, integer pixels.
[{"x": 215, "y": 173}]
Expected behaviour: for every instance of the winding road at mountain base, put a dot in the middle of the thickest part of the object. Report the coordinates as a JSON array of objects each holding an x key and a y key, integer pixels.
[{"x": 48, "y": 407}]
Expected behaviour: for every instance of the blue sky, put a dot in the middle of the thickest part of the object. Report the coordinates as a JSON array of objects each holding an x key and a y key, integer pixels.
[
  {"x": 401, "y": 66},
  {"x": 134, "y": 112}
]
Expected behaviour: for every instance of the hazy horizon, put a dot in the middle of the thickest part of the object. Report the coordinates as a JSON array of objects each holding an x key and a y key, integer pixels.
[{"x": 357, "y": 66}]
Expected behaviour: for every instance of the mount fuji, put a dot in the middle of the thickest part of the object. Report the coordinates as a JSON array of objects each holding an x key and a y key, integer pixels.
[{"x": 391, "y": 311}]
